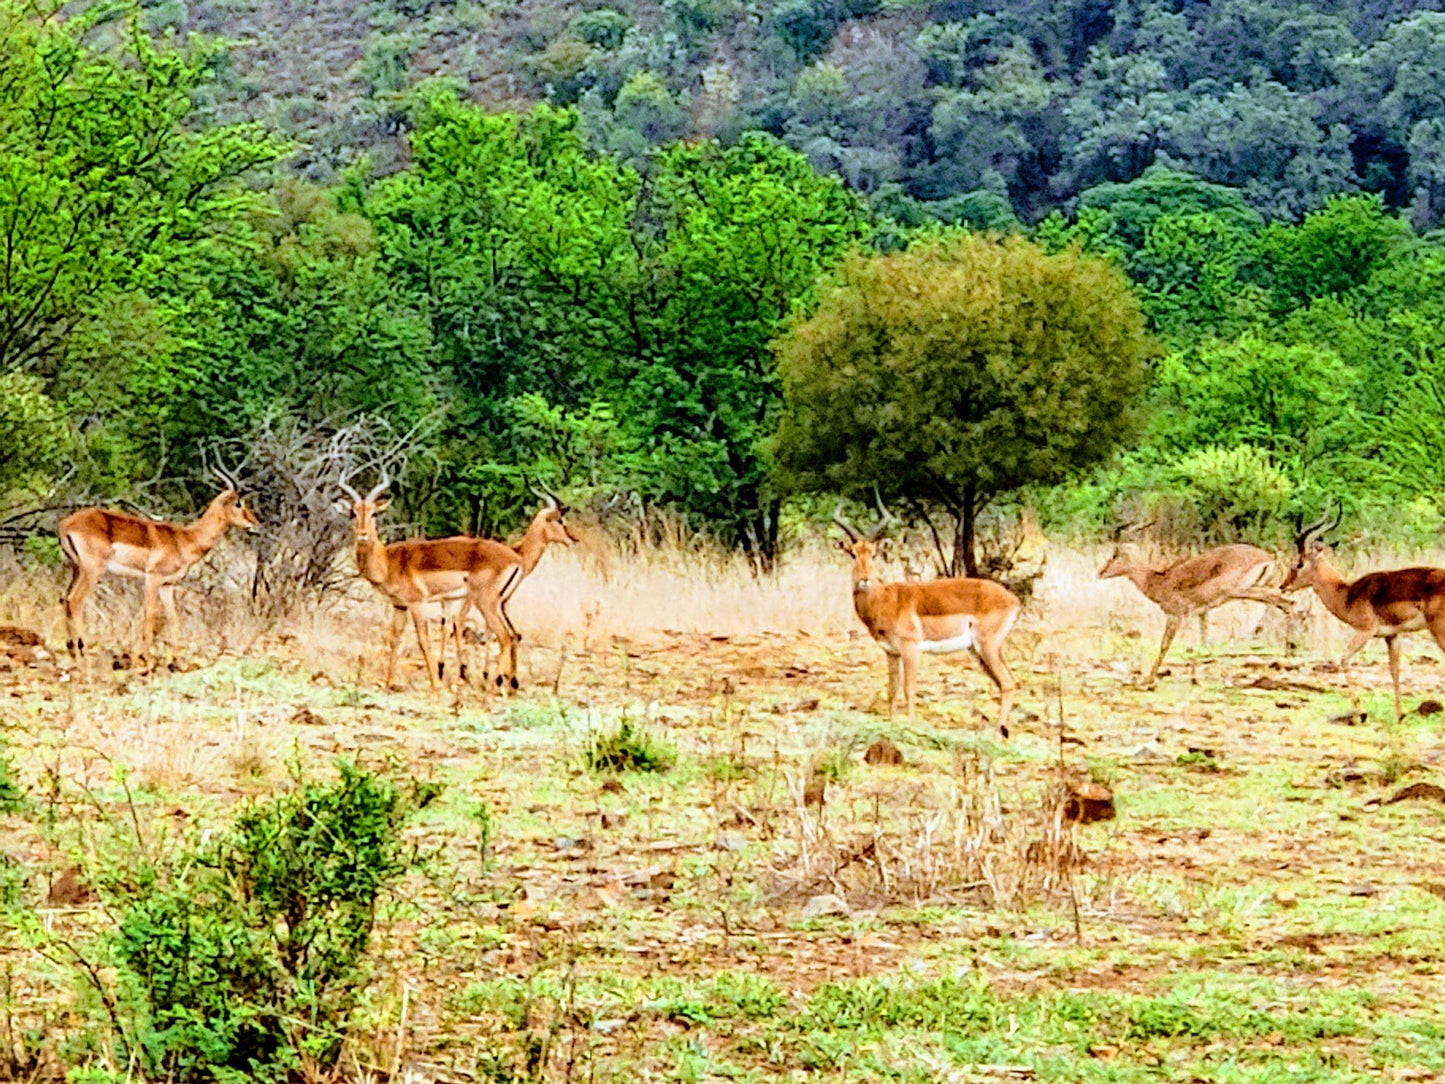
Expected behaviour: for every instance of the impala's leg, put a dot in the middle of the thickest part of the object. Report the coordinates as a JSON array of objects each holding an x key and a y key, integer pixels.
[
  {"x": 148, "y": 623},
  {"x": 418, "y": 622},
  {"x": 990, "y": 655},
  {"x": 458, "y": 623},
  {"x": 893, "y": 662},
  {"x": 1357, "y": 641},
  {"x": 82, "y": 583},
  {"x": 1392, "y": 644},
  {"x": 908, "y": 656},
  {"x": 168, "y": 605},
  {"x": 513, "y": 639},
  {"x": 1203, "y": 628},
  {"x": 1171, "y": 629},
  {"x": 393, "y": 642}
]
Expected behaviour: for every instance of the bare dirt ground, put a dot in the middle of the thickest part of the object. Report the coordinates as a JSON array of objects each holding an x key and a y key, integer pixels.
[{"x": 773, "y": 906}]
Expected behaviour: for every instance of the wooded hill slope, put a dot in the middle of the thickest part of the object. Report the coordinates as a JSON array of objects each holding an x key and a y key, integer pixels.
[{"x": 975, "y": 111}]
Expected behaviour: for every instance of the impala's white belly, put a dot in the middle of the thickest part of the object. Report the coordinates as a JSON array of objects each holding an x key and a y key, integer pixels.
[
  {"x": 1415, "y": 624},
  {"x": 961, "y": 642}
]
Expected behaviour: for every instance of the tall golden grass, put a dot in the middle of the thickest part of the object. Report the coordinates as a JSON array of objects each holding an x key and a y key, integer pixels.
[{"x": 603, "y": 588}]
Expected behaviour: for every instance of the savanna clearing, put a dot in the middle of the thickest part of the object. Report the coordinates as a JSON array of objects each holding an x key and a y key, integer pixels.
[{"x": 771, "y": 906}]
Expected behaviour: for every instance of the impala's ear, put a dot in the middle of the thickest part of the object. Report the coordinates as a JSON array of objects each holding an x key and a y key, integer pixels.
[
  {"x": 882, "y": 549},
  {"x": 383, "y": 504}
]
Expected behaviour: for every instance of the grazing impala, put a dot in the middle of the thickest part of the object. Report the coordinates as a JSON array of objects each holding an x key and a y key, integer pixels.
[
  {"x": 1383, "y": 604},
  {"x": 416, "y": 576},
  {"x": 96, "y": 541},
  {"x": 1194, "y": 585},
  {"x": 909, "y": 619}
]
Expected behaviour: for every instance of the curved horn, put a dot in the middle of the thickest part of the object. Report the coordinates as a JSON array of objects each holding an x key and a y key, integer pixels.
[
  {"x": 355, "y": 496},
  {"x": 883, "y": 523},
  {"x": 853, "y": 535},
  {"x": 1311, "y": 534},
  {"x": 380, "y": 487}
]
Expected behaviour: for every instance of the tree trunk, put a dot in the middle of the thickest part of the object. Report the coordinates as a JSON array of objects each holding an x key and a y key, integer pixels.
[{"x": 965, "y": 560}]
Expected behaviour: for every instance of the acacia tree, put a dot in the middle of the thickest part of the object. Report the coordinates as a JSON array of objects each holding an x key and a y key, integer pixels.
[{"x": 958, "y": 371}]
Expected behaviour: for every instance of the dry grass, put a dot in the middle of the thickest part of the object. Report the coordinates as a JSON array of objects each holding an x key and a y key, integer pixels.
[{"x": 604, "y": 895}]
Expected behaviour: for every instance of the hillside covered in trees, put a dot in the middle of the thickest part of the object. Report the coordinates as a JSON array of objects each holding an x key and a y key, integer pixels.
[{"x": 957, "y": 109}]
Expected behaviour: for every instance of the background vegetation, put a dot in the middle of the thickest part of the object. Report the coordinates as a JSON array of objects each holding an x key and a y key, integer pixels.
[{"x": 207, "y": 244}]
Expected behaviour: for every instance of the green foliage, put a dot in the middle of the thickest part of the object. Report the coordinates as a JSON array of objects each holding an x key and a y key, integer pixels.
[
  {"x": 629, "y": 748},
  {"x": 1232, "y": 489},
  {"x": 244, "y": 957},
  {"x": 35, "y": 434},
  {"x": 1333, "y": 251},
  {"x": 957, "y": 372}
]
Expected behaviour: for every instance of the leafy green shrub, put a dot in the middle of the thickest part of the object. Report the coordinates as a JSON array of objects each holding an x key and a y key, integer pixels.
[
  {"x": 629, "y": 749},
  {"x": 243, "y": 958},
  {"x": 1238, "y": 488}
]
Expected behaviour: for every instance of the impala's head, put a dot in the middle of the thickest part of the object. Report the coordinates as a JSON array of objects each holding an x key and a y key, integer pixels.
[
  {"x": 364, "y": 510},
  {"x": 551, "y": 523},
  {"x": 227, "y": 504},
  {"x": 235, "y": 510},
  {"x": 1123, "y": 558},
  {"x": 1309, "y": 547},
  {"x": 863, "y": 548}
]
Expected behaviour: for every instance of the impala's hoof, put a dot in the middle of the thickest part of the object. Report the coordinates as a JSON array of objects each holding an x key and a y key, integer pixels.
[
  {"x": 514, "y": 683},
  {"x": 1003, "y": 732},
  {"x": 462, "y": 671}
]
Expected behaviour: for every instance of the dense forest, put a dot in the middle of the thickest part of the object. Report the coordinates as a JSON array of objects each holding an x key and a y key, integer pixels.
[
  {"x": 976, "y": 111},
  {"x": 328, "y": 224}
]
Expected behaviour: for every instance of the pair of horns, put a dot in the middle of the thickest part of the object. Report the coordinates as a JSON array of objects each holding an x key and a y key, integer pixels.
[
  {"x": 548, "y": 497},
  {"x": 376, "y": 490},
  {"x": 221, "y": 474},
  {"x": 1135, "y": 527},
  {"x": 1310, "y": 535},
  {"x": 886, "y": 519}
]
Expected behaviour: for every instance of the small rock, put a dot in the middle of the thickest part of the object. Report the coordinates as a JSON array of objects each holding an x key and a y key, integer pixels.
[
  {"x": 883, "y": 751},
  {"x": 1088, "y": 801},
  {"x": 68, "y": 890},
  {"x": 815, "y": 791},
  {"x": 1364, "y": 889},
  {"x": 612, "y": 785},
  {"x": 828, "y": 903},
  {"x": 1430, "y": 792},
  {"x": 1286, "y": 898},
  {"x": 607, "y": 1027},
  {"x": 1348, "y": 718},
  {"x": 1149, "y": 753},
  {"x": 1430, "y": 707},
  {"x": 731, "y": 841}
]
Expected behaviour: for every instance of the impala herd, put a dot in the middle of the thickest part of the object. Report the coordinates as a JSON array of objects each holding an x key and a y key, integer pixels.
[{"x": 449, "y": 578}]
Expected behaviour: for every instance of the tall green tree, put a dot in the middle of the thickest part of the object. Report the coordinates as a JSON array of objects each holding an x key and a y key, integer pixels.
[{"x": 959, "y": 371}]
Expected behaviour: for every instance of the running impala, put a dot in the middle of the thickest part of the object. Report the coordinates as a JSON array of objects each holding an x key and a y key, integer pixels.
[
  {"x": 1194, "y": 585},
  {"x": 911, "y": 619},
  {"x": 96, "y": 541},
  {"x": 1383, "y": 604}
]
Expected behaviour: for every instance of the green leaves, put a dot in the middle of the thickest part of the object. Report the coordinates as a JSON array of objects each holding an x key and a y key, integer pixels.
[{"x": 959, "y": 371}]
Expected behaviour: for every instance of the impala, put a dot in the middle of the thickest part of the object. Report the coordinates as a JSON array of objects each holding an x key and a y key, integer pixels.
[
  {"x": 1195, "y": 584},
  {"x": 910, "y": 619},
  {"x": 96, "y": 541},
  {"x": 1383, "y": 604},
  {"x": 415, "y": 576},
  {"x": 547, "y": 527}
]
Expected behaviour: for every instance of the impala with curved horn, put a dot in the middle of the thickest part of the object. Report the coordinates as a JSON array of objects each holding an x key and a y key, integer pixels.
[
  {"x": 1194, "y": 585},
  {"x": 910, "y": 619},
  {"x": 413, "y": 575},
  {"x": 96, "y": 541},
  {"x": 1383, "y": 604}
]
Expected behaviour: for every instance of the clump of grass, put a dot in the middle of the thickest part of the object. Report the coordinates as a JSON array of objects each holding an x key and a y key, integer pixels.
[
  {"x": 835, "y": 765},
  {"x": 629, "y": 748}
]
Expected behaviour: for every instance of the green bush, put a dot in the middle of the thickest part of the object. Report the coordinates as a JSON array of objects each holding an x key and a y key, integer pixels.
[
  {"x": 243, "y": 958},
  {"x": 629, "y": 749}
]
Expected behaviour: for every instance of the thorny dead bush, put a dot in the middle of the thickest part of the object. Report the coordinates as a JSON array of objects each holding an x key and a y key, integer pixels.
[
  {"x": 916, "y": 845},
  {"x": 244, "y": 957}
]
